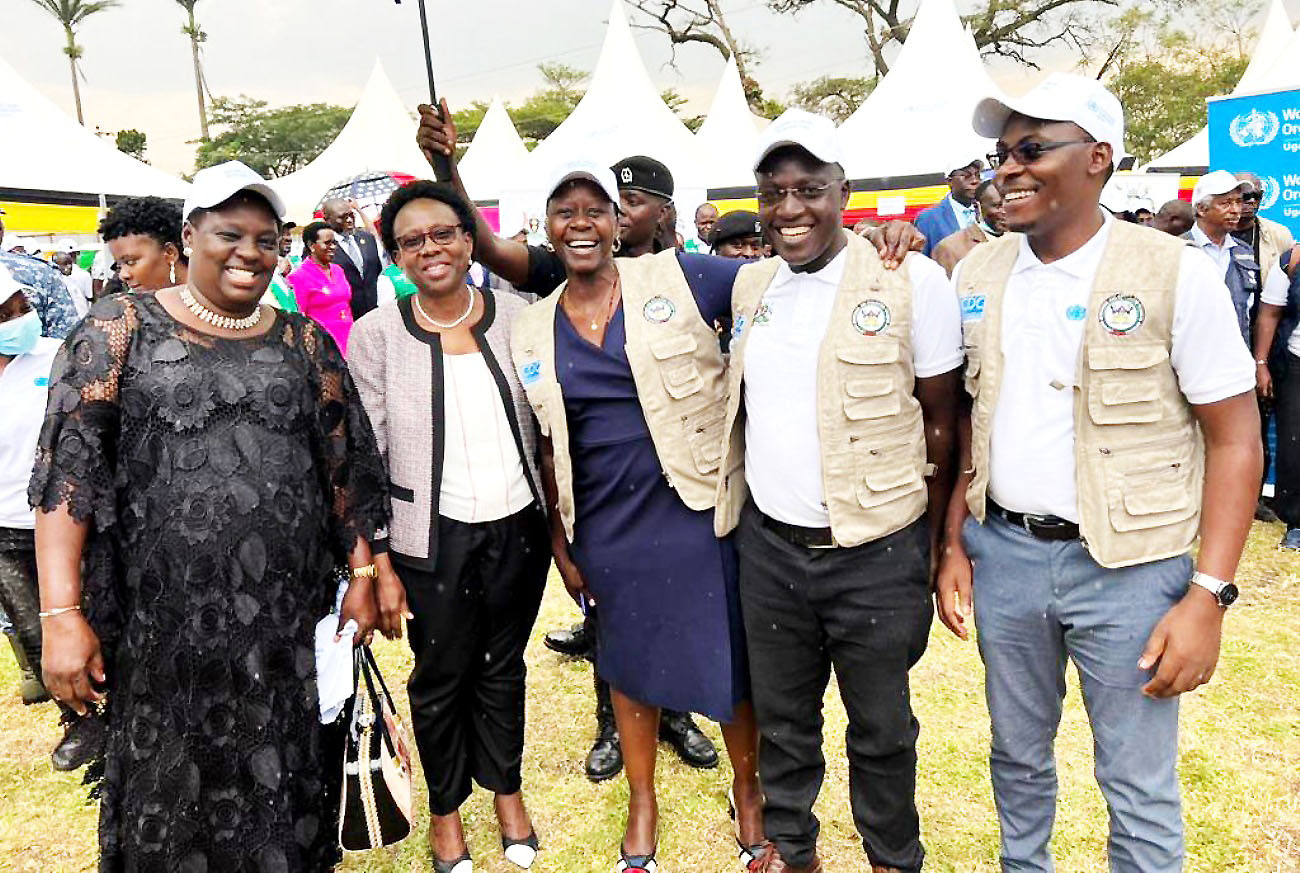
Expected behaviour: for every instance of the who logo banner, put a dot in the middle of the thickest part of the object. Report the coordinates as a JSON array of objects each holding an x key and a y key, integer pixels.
[{"x": 1260, "y": 134}]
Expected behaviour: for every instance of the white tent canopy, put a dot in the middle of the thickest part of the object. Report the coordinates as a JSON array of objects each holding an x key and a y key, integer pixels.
[
  {"x": 494, "y": 156},
  {"x": 728, "y": 137},
  {"x": 379, "y": 136},
  {"x": 917, "y": 120},
  {"x": 621, "y": 114},
  {"x": 1274, "y": 62},
  {"x": 43, "y": 149}
]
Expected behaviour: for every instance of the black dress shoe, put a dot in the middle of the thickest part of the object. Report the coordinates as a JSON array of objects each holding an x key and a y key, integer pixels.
[
  {"x": 574, "y": 642},
  {"x": 605, "y": 760},
  {"x": 82, "y": 742},
  {"x": 679, "y": 730},
  {"x": 1265, "y": 513}
]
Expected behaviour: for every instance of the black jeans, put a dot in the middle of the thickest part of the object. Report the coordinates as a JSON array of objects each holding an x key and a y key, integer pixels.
[
  {"x": 473, "y": 615},
  {"x": 865, "y": 611},
  {"x": 19, "y": 596},
  {"x": 1286, "y": 499}
]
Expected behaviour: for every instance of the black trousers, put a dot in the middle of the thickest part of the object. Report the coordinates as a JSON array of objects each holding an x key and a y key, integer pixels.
[
  {"x": 866, "y": 612},
  {"x": 473, "y": 615},
  {"x": 19, "y": 596},
  {"x": 1286, "y": 499}
]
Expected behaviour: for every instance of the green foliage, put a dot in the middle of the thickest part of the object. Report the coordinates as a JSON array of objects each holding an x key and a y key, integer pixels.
[
  {"x": 546, "y": 109},
  {"x": 1164, "y": 103},
  {"x": 70, "y": 14},
  {"x": 274, "y": 142},
  {"x": 676, "y": 102},
  {"x": 836, "y": 97},
  {"x": 132, "y": 142}
]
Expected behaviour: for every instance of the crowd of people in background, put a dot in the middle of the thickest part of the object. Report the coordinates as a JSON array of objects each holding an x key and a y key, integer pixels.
[{"x": 758, "y": 452}]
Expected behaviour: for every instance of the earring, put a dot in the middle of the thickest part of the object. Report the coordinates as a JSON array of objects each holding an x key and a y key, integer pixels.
[
  {"x": 172, "y": 272},
  {"x": 187, "y": 251},
  {"x": 618, "y": 244}
]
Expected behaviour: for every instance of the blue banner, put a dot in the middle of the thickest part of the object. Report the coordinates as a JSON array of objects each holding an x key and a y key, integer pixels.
[{"x": 1261, "y": 135}]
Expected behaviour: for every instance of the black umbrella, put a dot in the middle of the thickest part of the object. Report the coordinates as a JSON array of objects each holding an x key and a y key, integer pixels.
[{"x": 441, "y": 163}]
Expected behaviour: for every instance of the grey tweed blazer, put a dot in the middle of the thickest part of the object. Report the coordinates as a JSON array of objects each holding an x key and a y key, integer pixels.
[{"x": 397, "y": 366}]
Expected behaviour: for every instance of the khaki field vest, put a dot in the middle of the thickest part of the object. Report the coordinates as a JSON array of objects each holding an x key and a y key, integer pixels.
[
  {"x": 677, "y": 366},
  {"x": 872, "y": 439},
  {"x": 1139, "y": 458}
]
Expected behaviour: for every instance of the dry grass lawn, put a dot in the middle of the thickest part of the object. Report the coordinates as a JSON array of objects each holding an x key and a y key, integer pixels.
[{"x": 1240, "y": 765}]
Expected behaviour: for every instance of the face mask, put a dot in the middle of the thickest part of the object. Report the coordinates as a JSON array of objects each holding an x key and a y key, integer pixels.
[{"x": 18, "y": 336}]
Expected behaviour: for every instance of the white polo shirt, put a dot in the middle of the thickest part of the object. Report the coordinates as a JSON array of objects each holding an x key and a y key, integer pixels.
[
  {"x": 24, "y": 385},
  {"x": 1275, "y": 292},
  {"x": 1220, "y": 254},
  {"x": 1044, "y": 309},
  {"x": 782, "y": 445}
]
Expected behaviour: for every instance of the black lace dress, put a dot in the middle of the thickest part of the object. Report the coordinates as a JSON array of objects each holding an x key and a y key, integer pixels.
[{"x": 223, "y": 481}]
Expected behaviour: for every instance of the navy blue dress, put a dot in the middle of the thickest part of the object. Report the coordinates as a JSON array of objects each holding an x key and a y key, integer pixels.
[{"x": 670, "y": 631}]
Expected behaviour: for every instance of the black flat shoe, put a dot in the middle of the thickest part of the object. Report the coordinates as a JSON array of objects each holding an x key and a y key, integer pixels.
[
  {"x": 521, "y": 853},
  {"x": 574, "y": 642},
  {"x": 636, "y": 863},
  {"x": 81, "y": 743},
  {"x": 679, "y": 730},
  {"x": 463, "y": 864}
]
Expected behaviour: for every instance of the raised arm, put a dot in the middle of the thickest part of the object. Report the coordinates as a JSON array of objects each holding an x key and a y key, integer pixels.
[{"x": 505, "y": 257}]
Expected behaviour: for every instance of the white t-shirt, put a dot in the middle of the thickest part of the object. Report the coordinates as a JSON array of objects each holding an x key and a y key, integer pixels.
[
  {"x": 483, "y": 476},
  {"x": 24, "y": 385},
  {"x": 1043, "y": 314},
  {"x": 79, "y": 289},
  {"x": 1275, "y": 292},
  {"x": 782, "y": 444},
  {"x": 102, "y": 267}
]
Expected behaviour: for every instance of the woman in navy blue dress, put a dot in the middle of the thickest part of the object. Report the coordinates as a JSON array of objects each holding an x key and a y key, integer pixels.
[{"x": 670, "y": 631}]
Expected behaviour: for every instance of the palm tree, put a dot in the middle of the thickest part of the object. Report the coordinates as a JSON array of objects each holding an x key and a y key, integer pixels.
[
  {"x": 197, "y": 38},
  {"x": 70, "y": 14}
]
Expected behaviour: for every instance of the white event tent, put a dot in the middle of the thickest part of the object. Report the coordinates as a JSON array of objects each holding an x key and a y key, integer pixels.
[
  {"x": 621, "y": 114},
  {"x": 46, "y": 156},
  {"x": 495, "y": 154},
  {"x": 379, "y": 136},
  {"x": 728, "y": 138},
  {"x": 1275, "y": 62},
  {"x": 917, "y": 120}
]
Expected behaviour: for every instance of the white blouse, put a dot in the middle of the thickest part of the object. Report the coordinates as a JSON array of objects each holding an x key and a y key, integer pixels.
[{"x": 483, "y": 476}]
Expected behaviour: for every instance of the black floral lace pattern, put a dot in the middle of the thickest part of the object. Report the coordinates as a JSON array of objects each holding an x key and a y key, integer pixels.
[{"x": 223, "y": 481}]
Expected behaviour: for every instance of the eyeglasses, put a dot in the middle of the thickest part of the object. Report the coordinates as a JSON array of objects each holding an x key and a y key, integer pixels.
[
  {"x": 1029, "y": 152},
  {"x": 440, "y": 236},
  {"x": 805, "y": 194}
]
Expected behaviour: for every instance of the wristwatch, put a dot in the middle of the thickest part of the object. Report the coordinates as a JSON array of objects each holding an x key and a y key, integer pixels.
[{"x": 1224, "y": 592}]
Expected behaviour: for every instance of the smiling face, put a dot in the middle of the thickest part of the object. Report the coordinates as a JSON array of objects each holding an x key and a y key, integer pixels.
[
  {"x": 992, "y": 210},
  {"x": 804, "y": 227},
  {"x": 1059, "y": 189},
  {"x": 582, "y": 226},
  {"x": 706, "y": 215},
  {"x": 144, "y": 264},
  {"x": 322, "y": 250},
  {"x": 435, "y": 268},
  {"x": 235, "y": 250},
  {"x": 641, "y": 219}
]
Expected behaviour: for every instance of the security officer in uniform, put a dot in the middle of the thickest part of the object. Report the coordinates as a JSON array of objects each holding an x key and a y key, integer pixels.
[
  {"x": 839, "y": 431},
  {"x": 1110, "y": 391},
  {"x": 737, "y": 235}
]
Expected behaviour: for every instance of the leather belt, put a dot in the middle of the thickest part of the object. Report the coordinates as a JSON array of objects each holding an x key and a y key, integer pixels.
[
  {"x": 1045, "y": 527},
  {"x": 808, "y": 537}
]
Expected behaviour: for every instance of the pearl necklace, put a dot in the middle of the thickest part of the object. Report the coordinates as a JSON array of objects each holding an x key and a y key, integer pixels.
[
  {"x": 435, "y": 322},
  {"x": 224, "y": 322}
]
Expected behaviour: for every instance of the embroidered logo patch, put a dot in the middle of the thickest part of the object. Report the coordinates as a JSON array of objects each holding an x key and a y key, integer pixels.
[
  {"x": 871, "y": 317},
  {"x": 41, "y": 381},
  {"x": 1121, "y": 314},
  {"x": 658, "y": 310},
  {"x": 1076, "y": 313},
  {"x": 738, "y": 327},
  {"x": 530, "y": 373},
  {"x": 972, "y": 307},
  {"x": 762, "y": 315}
]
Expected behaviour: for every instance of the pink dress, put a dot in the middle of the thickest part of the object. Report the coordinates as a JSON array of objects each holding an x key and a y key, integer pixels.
[{"x": 325, "y": 298}]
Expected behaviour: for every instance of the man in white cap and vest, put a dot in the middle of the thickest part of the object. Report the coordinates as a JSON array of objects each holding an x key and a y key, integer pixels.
[
  {"x": 1111, "y": 391},
  {"x": 841, "y": 406}
]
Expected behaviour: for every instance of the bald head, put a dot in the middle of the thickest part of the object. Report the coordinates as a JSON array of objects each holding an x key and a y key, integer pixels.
[
  {"x": 338, "y": 215},
  {"x": 706, "y": 215},
  {"x": 1175, "y": 218}
]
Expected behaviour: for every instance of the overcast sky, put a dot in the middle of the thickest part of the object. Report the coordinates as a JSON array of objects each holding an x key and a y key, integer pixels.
[{"x": 138, "y": 70}]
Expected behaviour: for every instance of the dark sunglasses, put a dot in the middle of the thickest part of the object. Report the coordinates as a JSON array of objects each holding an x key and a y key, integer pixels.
[
  {"x": 1029, "y": 152},
  {"x": 1252, "y": 197}
]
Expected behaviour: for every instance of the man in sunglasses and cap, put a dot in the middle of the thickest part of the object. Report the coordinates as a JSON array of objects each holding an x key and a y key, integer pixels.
[
  {"x": 841, "y": 403},
  {"x": 1111, "y": 391}
]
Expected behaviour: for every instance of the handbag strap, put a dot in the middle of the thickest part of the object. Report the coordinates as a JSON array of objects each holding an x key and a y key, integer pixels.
[{"x": 370, "y": 672}]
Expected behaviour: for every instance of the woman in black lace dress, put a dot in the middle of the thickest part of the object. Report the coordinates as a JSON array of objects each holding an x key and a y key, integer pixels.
[{"x": 213, "y": 477}]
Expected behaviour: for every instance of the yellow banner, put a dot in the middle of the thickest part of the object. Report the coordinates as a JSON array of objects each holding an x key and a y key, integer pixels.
[{"x": 49, "y": 218}]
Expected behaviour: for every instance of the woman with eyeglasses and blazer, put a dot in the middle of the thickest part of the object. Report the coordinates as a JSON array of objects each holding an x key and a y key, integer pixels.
[{"x": 468, "y": 550}]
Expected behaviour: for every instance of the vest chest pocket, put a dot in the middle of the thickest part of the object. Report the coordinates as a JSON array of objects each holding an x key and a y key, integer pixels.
[
  {"x": 886, "y": 472},
  {"x": 677, "y": 367},
  {"x": 1151, "y": 486},
  {"x": 869, "y": 397},
  {"x": 703, "y": 430},
  {"x": 1125, "y": 383}
]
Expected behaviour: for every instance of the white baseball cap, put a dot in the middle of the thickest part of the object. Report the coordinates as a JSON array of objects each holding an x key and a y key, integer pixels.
[
  {"x": 1060, "y": 97},
  {"x": 584, "y": 168},
  {"x": 1216, "y": 183},
  {"x": 813, "y": 133},
  {"x": 215, "y": 185},
  {"x": 67, "y": 245}
]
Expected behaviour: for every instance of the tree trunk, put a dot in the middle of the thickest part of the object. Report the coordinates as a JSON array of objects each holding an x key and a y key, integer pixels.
[
  {"x": 71, "y": 52},
  {"x": 198, "y": 76}
]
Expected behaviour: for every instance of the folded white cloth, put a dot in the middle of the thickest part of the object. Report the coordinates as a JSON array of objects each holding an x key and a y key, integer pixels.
[{"x": 334, "y": 684}]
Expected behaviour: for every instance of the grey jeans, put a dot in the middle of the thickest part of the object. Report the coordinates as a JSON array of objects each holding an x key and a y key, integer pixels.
[{"x": 1037, "y": 604}]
